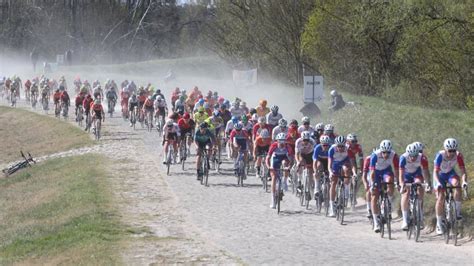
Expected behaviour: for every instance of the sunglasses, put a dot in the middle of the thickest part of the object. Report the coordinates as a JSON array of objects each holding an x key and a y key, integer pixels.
[
  {"x": 306, "y": 124},
  {"x": 451, "y": 151},
  {"x": 340, "y": 146},
  {"x": 354, "y": 141},
  {"x": 385, "y": 152},
  {"x": 325, "y": 145},
  {"x": 281, "y": 142}
]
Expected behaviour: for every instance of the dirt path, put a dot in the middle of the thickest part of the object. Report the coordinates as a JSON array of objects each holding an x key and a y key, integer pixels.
[{"x": 178, "y": 220}]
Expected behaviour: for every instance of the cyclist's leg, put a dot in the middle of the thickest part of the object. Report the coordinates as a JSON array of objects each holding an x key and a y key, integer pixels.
[
  {"x": 421, "y": 193},
  {"x": 440, "y": 198},
  {"x": 454, "y": 181},
  {"x": 346, "y": 168},
  {"x": 388, "y": 177},
  {"x": 165, "y": 154},
  {"x": 404, "y": 199}
]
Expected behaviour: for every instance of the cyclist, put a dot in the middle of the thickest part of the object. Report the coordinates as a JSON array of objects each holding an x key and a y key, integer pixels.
[
  {"x": 238, "y": 139},
  {"x": 97, "y": 112},
  {"x": 304, "y": 147},
  {"x": 257, "y": 128},
  {"x": 281, "y": 128},
  {"x": 186, "y": 126},
  {"x": 262, "y": 109},
  {"x": 413, "y": 169},
  {"x": 78, "y": 101},
  {"x": 260, "y": 148},
  {"x": 111, "y": 95},
  {"x": 365, "y": 181},
  {"x": 356, "y": 150},
  {"x": 444, "y": 163},
  {"x": 329, "y": 131},
  {"x": 225, "y": 114},
  {"x": 132, "y": 104},
  {"x": 124, "y": 95},
  {"x": 148, "y": 107},
  {"x": 320, "y": 162},
  {"x": 244, "y": 108},
  {"x": 381, "y": 170},
  {"x": 170, "y": 134},
  {"x": 56, "y": 99},
  {"x": 292, "y": 135},
  {"x": 203, "y": 138},
  {"x": 160, "y": 109},
  {"x": 98, "y": 92},
  {"x": 318, "y": 132},
  {"x": 306, "y": 125},
  {"x": 339, "y": 163},
  {"x": 200, "y": 103},
  {"x": 279, "y": 154},
  {"x": 273, "y": 117},
  {"x": 180, "y": 104},
  {"x": 215, "y": 124},
  {"x": 200, "y": 116},
  {"x": 174, "y": 97},
  {"x": 65, "y": 98}
]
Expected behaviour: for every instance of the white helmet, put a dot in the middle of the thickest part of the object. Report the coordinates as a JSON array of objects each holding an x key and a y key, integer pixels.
[
  {"x": 281, "y": 136},
  {"x": 324, "y": 139},
  {"x": 169, "y": 123},
  {"x": 319, "y": 126},
  {"x": 419, "y": 146},
  {"x": 386, "y": 145},
  {"x": 450, "y": 144},
  {"x": 340, "y": 140},
  {"x": 264, "y": 133},
  {"x": 352, "y": 137},
  {"x": 333, "y": 93},
  {"x": 305, "y": 120},
  {"x": 306, "y": 135},
  {"x": 282, "y": 122},
  {"x": 254, "y": 117},
  {"x": 412, "y": 150},
  {"x": 328, "y": 127},
  {"x": 262, "y": 119}
]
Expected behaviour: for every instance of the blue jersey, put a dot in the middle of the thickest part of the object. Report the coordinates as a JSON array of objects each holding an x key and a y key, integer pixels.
[{"x": 319, "y": 153}]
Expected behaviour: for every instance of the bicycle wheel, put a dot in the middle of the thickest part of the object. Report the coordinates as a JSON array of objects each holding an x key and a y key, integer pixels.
[
  {"x": 206, "y": 171},
  {"x": 326, "y": 198},
  {"x": 307, "y": 190},
  {"x": 411, "y": 222},
  {"x": 417, "y": 219},
  {"x": 168, "y": 159},
  {"x": 388, "y": 219},
  {"x": 453, "y": 223},
  {"x": 203, "y": 167},
  {"x": 382, "y": 218},
  {"x": 183, "y": 154},
  {"x": 342, "y": 205}
]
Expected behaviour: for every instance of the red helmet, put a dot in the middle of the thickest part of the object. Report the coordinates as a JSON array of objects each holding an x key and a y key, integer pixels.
[{"x": 186, "y": 115}]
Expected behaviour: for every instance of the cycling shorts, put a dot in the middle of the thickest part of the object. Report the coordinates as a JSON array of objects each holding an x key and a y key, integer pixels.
[
  {"x": 98, "y": 114},
  {"x": 262, "y": 150},
  {"x": 324, "y": 162},
  {"x": 410, "y": 177},
  {"x": 276, "y": 161},
  {"x": 382, "y": 176},
  {"x": 133, "y": 105},
  {"x": 242, "y": 143},
  {"x": 337, "y": 165},
  {"x": 308, "y": 158},
  {"x": 202, "y": 145},
  {"x": 445, "y": 178},
  {"x": 171, "y": 136}
]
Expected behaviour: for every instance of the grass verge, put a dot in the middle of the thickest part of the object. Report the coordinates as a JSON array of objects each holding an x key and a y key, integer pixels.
[
  {"x": 37, "y": 134},
  {"x": 59, "y": 212}
]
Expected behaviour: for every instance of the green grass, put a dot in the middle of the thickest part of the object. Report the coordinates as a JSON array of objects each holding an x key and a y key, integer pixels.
[
  {"x": 37, "y": 134},
  {"x": 59, "y": 212}
]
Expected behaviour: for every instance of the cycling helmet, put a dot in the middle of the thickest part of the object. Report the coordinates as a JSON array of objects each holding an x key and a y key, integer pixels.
[
  {"x": 182, "y": 98},
  {"x": 252, "y": 111},
  {"x": 412, "y": 150},
  {"x": 238, "y": 126},
  {"x": 419, "y": 146},
  {"x": 262, "y": 119},
  {"x": 264, "y": 134},
  {"x": 235, "y": 119},
  {"x": 274, "y": 108},
  {"x": 263, "y": 102},
  {"x": 169, "y": 123},
  {"x": 450, "y": 144},
  {"x": 97, "y": 101},
  {"x": 340, "y": 140},
  {"x": 186, "y": 115},
  {"x": 221, "y": 99},
  {"x": 216, "y": 113},
  {"x": 201, "y": 101},
  {"x": 385, "y": 145},
  {"x": 235, "y": 104},
  {"x": 244, "y": 118},
  {"x": 306, "y": 135},
  {"x": 282, "y": 123},
  {"x": 293, "y": 122},
  {"x": 158, "y": 98},
  {"x": 243, "y": 104},
  {"x": 352, "y": 137},
  {"x": 320, "y": 126},
  {"x": 150, "y": 98},
  {"x": 333, "y": 93},
  {"x": 305, "y": 120},
  {"x": 255, "y": 117},
  {"x": 329, "y": 128},
  {"x": 281, "y": 137},
  {"x": 227, "y": 102},
  {"x": 324, "y": 139},
  {"x": 203, "y": 125},
  {"x": 61, "y": 88}
]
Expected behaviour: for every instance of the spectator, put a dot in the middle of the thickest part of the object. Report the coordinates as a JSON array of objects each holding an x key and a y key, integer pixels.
[{"x": 336, "y": 101}]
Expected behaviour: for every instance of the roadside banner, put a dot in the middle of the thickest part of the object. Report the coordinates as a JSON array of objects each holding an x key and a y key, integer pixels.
[
  {"x": 313, "y": 89},
  {"x": 245, "y": 77}
]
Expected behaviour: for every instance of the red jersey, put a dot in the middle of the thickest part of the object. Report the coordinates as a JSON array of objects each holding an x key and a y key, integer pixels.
[
  {"x": 28, "y": 84},
  {"x": 56, "y": 97},
  {"x": 366, "y": 164},
  {"x": 97, "y": 107},
  {"x": 64, "y": 96},
  {"x": 292, "y": 135},
  {"x": 355, "y": 149},
  {"x": 183, "y": 126},
  {"x": 142, "y": 98},
  {"x": 87, "y": 103},
  {"x": 257, "y": 128},
  {"x": 79, "y": 99}
]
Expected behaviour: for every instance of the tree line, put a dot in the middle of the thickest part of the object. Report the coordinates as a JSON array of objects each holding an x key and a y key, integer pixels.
[{"x": 417, "y": 52}]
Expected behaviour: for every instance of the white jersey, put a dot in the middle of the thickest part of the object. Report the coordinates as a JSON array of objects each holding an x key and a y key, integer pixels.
[
  {"x": 236, "y": 111},
  {"x": 304, "y": 148},
  {"x": 273, "y": 119},
  {"x": 229, "y": 127},
  {"x": 277, "y": 130},
  {"x": 160, "y": 104},
  {"x": 302, "y": 128}
]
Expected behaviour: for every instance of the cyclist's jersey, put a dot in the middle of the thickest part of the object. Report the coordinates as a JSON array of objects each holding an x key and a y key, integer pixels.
[
  {"x": 366, "y": 164},
  {"x": 111, "y": 94},
  {"x": 200, "y": 117},
  {"x": 215, "y": 122},
  {"x": 98, "y": 110},
  {"x": 141, "y": 99},
  {"x": 185, "y": 127},
  {"x": 261, "y": 111},
  {"x": 179, "y": 106},
  {"x": 302, "y": 128},
  {"x": 272, "y": 120},
  {"x": 87, "y": 104},
  {"x": 292, "y": 136},
  {"x": 132, "y": 103},
  {"x": 27, "y": 84},
  {"x": 229, "y": 127},
  {"x": 355, "y": 149},
  {"x": 411, "y": 167},
  {"x": 203, "y": 137},
  {"x": 197, "y": 106},
  {"x": 445, "y": 165},
  {"x": 319, "y": 153},
  {"x": 160, "y": 104},
  {"x": 171, "y": 130},
  {"x": 277, "y": 155},
  {"x": 174, "y": 97},
  {"x": 248, "y": 127},
  {"x": 304, "y": 148},
  {"x": 125, "y": 95},
  {"x": 378, "y": 163},
  {"x": 277, "y": 130},
  {"x": 56, "y": 97},
  {"x": 239, "y": 137},
  {"x": 236, "y": 111},
  {"x": 261, "y": 142},
  {"x": 64, "y": 97},
  {"x": 257, "y": 128},
  {"x": 148, "y": 104},
  {"x": 339, "y": 157},
  {"x": 79, "y": 100}
]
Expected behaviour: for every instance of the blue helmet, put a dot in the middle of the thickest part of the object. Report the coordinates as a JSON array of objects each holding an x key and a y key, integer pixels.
[
  {"x": 201, "y": 101},
  {"x": 235, "y": 119},
  {"x": 216, "y": 113}
]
